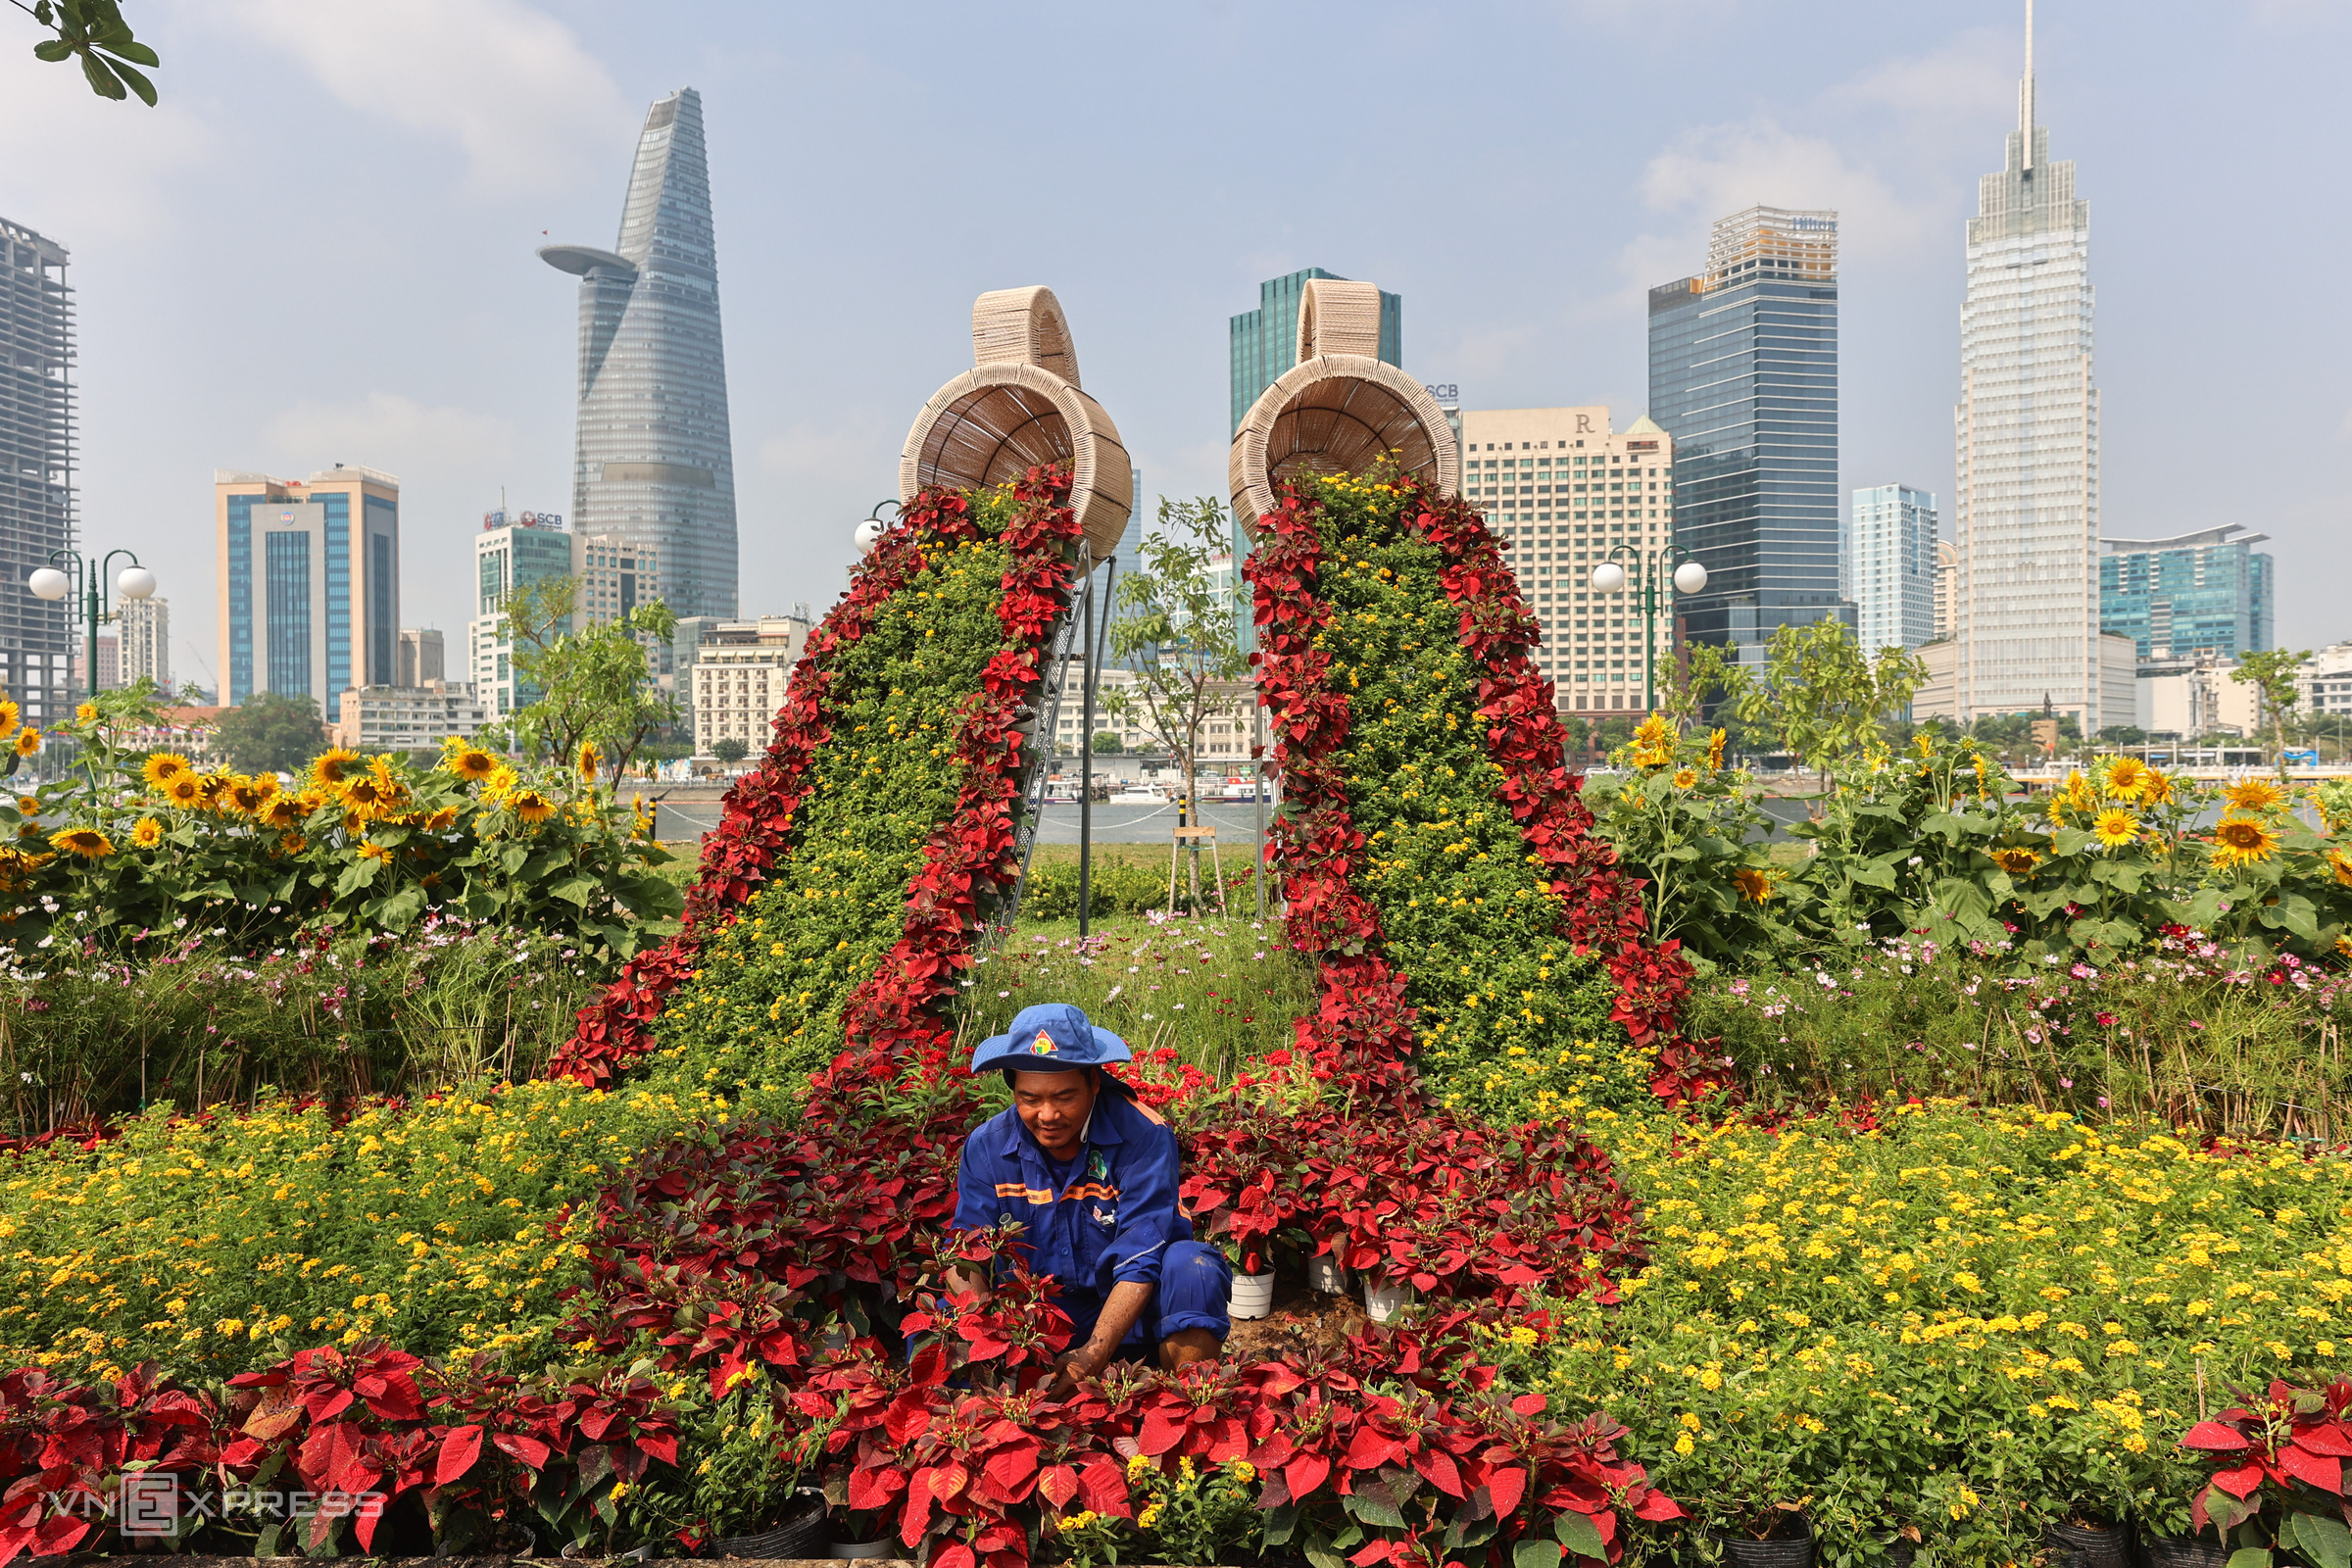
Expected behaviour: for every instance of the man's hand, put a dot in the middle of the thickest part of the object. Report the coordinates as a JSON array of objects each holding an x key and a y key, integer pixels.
[
  {"x": 969, "y": 1282},
  {"x": 1072, "y": 1368},
  {"x": 1125, "y": 1304}
]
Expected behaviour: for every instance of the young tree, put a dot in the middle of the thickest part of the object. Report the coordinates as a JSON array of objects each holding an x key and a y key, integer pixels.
[
  {"x": 94, "y": 32},
  {"x": 1108, "y": 742},
  {"x": 1702, "y": 675},
  {"x": 729, "y": 750},
  {"x": 1177, "y": 624},
  {"x": 271, "y": 733},
  {"x": 2273, "y": 674},
  {"x": 1821, "y": 699},
  {"x": 591, "y": 687}
]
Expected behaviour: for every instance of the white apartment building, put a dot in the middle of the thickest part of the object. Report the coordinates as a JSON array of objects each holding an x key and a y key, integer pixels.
[
  {"x": 2325, "y": 681},
  {"x": 408, "y": 719},
  {"x": 1225, "y": 735},
  {"x": 1565, "y": 492},
  {"x": 613, "y": 575},
  {"x": 739, "y": 678},
  {"x": 144, "y": 628},
  {"x": 1886, "y": 564}
]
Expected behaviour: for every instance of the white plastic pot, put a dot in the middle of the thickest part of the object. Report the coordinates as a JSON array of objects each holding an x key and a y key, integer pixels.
[
  {"x": 1253, "y": 1295},
  {"x": 1324, "y": 1273},
  {"x": 1381, "y": 1302}
]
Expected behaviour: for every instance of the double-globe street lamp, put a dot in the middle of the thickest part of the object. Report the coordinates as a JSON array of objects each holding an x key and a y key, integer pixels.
[
  {"x": 88, "y": 578},
  {"x": 1652, "y": 569}
]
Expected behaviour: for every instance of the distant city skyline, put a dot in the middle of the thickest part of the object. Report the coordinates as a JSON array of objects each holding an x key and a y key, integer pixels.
[{"x": 437, "y": 350}]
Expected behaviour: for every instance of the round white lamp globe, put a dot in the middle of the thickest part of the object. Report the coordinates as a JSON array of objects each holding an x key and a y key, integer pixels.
[
  {"x": 869, "y": 534},
  {"x": 48, "y": 583},
  {"x": 1609, "y": 576},
  {"x": 135, "y": 582},
  {"x": 1690, "y": 578}
]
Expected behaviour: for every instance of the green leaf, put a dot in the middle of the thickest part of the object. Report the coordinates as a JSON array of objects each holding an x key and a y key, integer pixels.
[
  {"x": 131, "y": 49},
  {"x": 1372, "y": 1505},
  {"x": 103, "y": 83},
  {"x": 1877, "y": 873},
  {"x": 1580, "y": 1534},
  {"x": 139, "y": 85},
  {"x": 1544, "y": 1553},
  {"x": 2327, "y": 1541},
  {"x": 53, "y": 50},
  {"x": 357, "y": 875},
  {"x": 575, "y": 890},
  {"x": 2249, "y": 1557}
]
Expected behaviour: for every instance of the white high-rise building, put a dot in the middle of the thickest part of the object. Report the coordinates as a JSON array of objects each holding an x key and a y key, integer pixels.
[
  {"x": 2025, "y": 509},
  {"x": 1886, "y": 565},
  {"x": 145, "y": 628}
]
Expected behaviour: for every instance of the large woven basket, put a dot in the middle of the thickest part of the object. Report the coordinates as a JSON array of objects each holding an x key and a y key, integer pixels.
[
  {"x": 1021, "y": 406},
  {"x": 1339, "y": 410}
]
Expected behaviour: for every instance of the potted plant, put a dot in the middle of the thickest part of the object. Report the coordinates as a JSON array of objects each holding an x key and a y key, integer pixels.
[{"x": 2276, "y": 1476}]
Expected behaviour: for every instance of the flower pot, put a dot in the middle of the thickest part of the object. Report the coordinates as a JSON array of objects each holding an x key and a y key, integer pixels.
[
  {"x": 864, "y": 1548},
  {"x": 1324, "y": 1273},
  {"x": 1381, "y": 1302},
  {"x": 809, "y": 1534},
  {"x": 2184, "y": 1551},
  {"x": 1901, "y": 1551},
  {"x": 2105, "y": 1546},
  {"x": 1786, "y": 1552},
  {"x": 1253, "y": 1295}
]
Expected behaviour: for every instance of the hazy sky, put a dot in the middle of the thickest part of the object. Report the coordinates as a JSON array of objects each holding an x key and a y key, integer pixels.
[{"x": 320, "y": 248}]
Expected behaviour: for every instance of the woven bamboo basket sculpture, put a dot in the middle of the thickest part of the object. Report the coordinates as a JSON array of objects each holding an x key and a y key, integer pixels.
[
  {"x": 1021, "y": 406},
  {"x": 1339, "y": 410}
]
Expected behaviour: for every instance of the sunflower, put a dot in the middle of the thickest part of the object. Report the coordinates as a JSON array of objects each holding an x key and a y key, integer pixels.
[
  {"x": 2254, "y": 795},
  {"x": 472, "y": 763},
  {"x": 161, "y": 767},
  {"x": 1653, "y": 743},
  {"x": 1926, "y": 744},
  {"x": 502, "y": 782},
  {"x": 2241, "y": 841},
  {"x": 2017, "y": 859},
  {"x": 588, "y": 761},
  {"x": 215, "y": 788},
  {"x": 1755, "y": 885},
  {"x": 245, "y": 797},
  {"x": 2156, "y": 788},
  {"x": 1715, "y": 753},
  {"x": 11, "y": 715},
  {"x": 375, "y": 851},
  {"x": 292, "y": 844},
  {"x": 86, "y": 842},
  {"x": 2115, "y": 828},
  {"x": 85, "y": 714},
  {"x": 29, "y": 740},
  {"x": 364, "y": 793},
  {"x": 2124, "y": 777},
  {"x": 148, "y": 834},
  {"x": 28, "y": 804},
  {"x": 2342, "y": 865},
  {"x": 330, "y": 768},
  {"x": 1685, "y": 778},
  {"x": 531, "y": 806},
  {"x": 184, "y": 789},
  {"x": 442, "y": 822},
  {"x": 1984, "y": 778}
]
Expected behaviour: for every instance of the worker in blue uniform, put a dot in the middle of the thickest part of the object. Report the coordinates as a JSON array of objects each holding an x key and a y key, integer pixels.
[{"x": 1091, "y": 1173}]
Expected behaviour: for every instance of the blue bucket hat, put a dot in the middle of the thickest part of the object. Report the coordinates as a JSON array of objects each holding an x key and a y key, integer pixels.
[{"x": 1051, "y": 1037}]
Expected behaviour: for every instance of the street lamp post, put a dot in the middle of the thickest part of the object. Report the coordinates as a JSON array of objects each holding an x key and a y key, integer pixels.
[
  {"x": 1653, "y": 568},
  {"x": 87, "y": 578}
]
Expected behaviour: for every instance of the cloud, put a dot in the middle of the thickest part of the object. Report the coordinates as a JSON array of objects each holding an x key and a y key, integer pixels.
[
  {"x": 512, "y": 86},
  {"x": 809, "y": 452},
  {"x": 1718, "y": 170},
  {"x": 398, "y": 434},
  {"x": 90, "y": 170}
]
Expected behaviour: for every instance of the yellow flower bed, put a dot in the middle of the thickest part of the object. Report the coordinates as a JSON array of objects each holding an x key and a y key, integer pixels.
[
  {"x": 448, "y": 1227},
  {"x": 2010, "y": 1305}
]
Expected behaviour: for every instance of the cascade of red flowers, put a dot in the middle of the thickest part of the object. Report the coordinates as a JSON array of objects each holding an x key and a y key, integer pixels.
[{"x": 1361, "y": 1025}]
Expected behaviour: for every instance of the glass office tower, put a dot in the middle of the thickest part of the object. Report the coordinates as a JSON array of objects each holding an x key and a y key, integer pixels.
[
  {"x": 1744, "y": 375},
  {"x": 1886, "y": 565},
  {"x": 2197, "y": 593},
  {"x": 655, "y": 462},
  {"x": 2025, "y": 505}
]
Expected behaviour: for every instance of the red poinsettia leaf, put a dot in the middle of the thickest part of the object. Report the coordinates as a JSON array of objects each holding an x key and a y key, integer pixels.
[
  {"x": 2213, "y": 1437},
  {"x": 459, "y": 1451},
  {"x": 1104, "y": 1485},
  {"x": 2322, "y": 1470},
  {"x": 2240, "y": 1482},
  {"x": 1058, "y": 1484},
  {"x": 1304, "y": 1473},
  {"x": 1657, "y": 1507},
  {"x": 958, "y": 1556},
  {"x": 1506, "y": 1488},
  {"x": 2328, "y": 1436}
]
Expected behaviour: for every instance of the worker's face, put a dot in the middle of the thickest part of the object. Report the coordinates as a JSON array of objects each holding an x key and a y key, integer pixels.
[{"x": 1053, "y": 1106}]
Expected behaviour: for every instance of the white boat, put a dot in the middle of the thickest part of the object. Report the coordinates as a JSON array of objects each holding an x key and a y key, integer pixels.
[
  {"x": 1061, "y": 791},
  {"x": 1140, "y": 794}
]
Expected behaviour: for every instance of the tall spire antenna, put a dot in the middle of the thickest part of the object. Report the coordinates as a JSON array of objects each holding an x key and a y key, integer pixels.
[{"x": 2025, "y": 95}]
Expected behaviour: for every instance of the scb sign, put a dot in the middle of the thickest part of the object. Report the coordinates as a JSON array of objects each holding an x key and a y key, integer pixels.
[{"x": 1444, "y": 391}]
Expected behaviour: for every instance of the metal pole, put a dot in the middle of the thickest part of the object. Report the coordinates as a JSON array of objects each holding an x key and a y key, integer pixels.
[
  {"x": 1649, "y": 632},
  {"x": 1086, "y": 749},
  {"x": 91, "y": 607},
  {"x": 1257, "y": 789}
]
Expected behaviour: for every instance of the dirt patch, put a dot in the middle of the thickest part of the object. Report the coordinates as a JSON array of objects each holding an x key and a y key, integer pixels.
[{"x": 1301, "y": 1319}]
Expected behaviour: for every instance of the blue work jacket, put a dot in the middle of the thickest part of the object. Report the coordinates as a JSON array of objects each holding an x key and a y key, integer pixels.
[{"x": 1112, "y": 1221}]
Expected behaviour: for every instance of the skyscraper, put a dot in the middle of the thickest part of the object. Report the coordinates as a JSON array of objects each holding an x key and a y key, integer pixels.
[
  {"x": 510, "y": 553},
  {"x": 1886, "y": 565},
  {"x": 2026, "y": 507},
  {"x": 145, "y": 627},
  {"x": 654, "y": 462},
  {"x": 1744, "y": 375},
  {"x": 36, "y": 467},
  {"x": 2197, "y": 593},
  {"x": 310, "y": 583}
]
